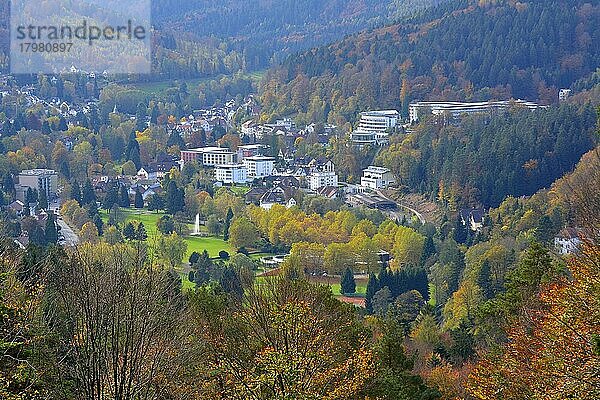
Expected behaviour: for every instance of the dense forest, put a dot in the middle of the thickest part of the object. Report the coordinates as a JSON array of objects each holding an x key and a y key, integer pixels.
[
  {"x": 199, "y": 38},
  {"x": 483, "y": 160},
  {"x": 461, "y": 50},
  {"x": 263, "y": 32}
]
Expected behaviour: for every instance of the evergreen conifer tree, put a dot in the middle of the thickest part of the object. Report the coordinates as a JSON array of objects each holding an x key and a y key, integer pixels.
[{"x": 347, "y": 283}]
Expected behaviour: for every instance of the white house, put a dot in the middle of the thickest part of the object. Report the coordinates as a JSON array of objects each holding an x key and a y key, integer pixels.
[
  {"x": 563, "y": 94},
  {"x": 567, "y": 241},
  {"x": 376, "y": 178},
  {"x": 472, "y": 218},
  {"x": 231, "y": 173},
  {"x": 157, "y": 170},
  {"x": 318, "y": 180},
  {"x": 259, "y": 166},
  {"x": 147, "y": 173},
  {"x": 287, "y": 123},
  {"x": 249, "y": 129}
]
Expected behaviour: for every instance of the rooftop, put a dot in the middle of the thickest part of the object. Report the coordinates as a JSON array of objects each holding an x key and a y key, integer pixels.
[
  {"x": 212, "y": 149},
  {"x": 378, "y": 170},
  {"x": 251, "y": 146},
  {"x": 230, "y": 166},
  {"x": 380, "y": 113},
  {"x": 460, "y": 105},
  {"x": 37, "y": 172},
  {"x": 260, "y": 158}
]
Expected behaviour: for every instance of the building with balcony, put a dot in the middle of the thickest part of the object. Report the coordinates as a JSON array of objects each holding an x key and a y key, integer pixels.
[
  {"x": 231, "y": 174},
  {"x": 318, "y": 180},
  {"x": 453, "y": 110},
  {"x": 209, "y": 156},
  {"x": 374, "y": 128},
  {"x": 259, "y": 166},
  {"x": 376, "y": 178}
]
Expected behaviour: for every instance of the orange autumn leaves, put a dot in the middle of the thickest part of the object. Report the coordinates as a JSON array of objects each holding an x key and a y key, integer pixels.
[{"x": 552, "y": 351}]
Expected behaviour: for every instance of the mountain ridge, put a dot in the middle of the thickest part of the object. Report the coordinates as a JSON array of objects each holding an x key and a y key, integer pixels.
[{"x": 460, "y": 50}]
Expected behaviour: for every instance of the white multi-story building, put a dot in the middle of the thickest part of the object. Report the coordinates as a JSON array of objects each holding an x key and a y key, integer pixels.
[
  {"x": 563, "y": 94},
  {"x": 287, "y": 123},
  {"x": 209, "y": 156},
  {"x": 318, "y": 180},
  {"x": 41, "y": 180},
  {"x": 259, "y": 166},
  {"x": 231, "y": 173},
  {"x": 376, "y": 178},
  {"x": 374, "y": 127},
  {"x": 456, "y": 109}
]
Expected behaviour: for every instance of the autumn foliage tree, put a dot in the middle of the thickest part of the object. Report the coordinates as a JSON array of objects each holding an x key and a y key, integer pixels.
[
  {"x": 553, "y": 346},
  {"x": 286, "y": 339},
  {"x": 27, "y": 367},
  {"x": 117, "y": 322}
]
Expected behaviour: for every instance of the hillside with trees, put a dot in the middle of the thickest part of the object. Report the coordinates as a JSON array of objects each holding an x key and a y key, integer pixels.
[
  {"x": 461, "y": 50},
  {"x": 259, "y": 33},
  {"x": 200, "y": 38},
  {"x": 482, "y": 160},
  {"x": 455, "y": 315}
]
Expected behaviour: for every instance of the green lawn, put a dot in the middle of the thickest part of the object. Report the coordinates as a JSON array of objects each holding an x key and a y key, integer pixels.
[
  {"x": 144, "y": 216},
  {"x": 360, "y": 290},
  {"x": 185, "y": 283},
  {"x": 334, "y": 283},
  {"x": 153, "y": 88},
  {"x": 195, "y": 243}
]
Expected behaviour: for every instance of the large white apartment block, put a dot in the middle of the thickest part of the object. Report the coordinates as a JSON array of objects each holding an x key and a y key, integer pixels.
[
  {"x": 231, "y": 173},
  {"x": 374, "y": 127},
  {"x": 42, "y": 180},
  {"x": 209, "y": 156},
  {"x": 456, "y": 109},
  {"x": 376, "y": 178},
  {"x": 259, "y": 166},
  {"x": 317, "y": 180}
]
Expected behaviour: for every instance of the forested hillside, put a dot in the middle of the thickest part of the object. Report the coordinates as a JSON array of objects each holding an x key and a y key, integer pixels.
[
  {"x": 462, "y": 50},
  {"x": 484, "y": 160},
  {"x": 197, "y": 38},
  {"x": 262, "y": 31}
]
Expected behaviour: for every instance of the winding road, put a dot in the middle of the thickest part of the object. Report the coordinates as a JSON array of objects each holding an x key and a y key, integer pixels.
[
  {"x": 70, "y": 237},
  {"x": 394, "y": 214}
]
